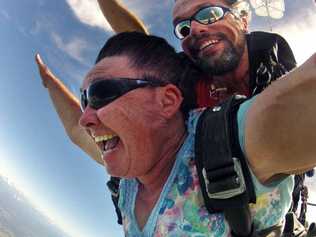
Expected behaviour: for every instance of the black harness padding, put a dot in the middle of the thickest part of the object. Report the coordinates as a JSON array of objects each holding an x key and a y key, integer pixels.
[
  {"x": 223, "y": 172},
  {"x": 270, "y": 57}
]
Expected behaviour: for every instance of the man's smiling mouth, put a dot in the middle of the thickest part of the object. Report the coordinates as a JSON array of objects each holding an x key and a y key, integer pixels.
[
  {"x": 207, "y": 44},
  {"x": 199, "y": 49}
]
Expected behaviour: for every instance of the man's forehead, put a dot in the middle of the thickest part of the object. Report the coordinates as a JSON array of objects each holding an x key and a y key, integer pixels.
[{"x": 185, "y": 8}]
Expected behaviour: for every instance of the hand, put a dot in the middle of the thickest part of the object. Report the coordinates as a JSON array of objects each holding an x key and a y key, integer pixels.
[{"x": 44, "y": 71}]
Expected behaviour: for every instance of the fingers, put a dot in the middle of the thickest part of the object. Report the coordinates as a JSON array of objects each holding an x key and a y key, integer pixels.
[
  {"x": 44, "y": 71},
  {"x": 38, "y": 59},
  {"x": 41, "y": 65}
]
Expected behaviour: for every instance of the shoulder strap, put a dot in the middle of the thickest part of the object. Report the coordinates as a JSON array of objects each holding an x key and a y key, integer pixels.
[
  {"x": 222, "y": 169},
  {"x": 113, "y": 186}
]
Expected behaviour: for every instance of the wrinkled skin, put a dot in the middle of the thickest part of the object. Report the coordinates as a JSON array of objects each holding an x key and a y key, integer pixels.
[{"x": 136, "y": 118}]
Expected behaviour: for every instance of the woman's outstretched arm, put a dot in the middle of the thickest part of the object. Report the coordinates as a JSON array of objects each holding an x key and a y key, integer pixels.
[{"x": 68, "y": 109}]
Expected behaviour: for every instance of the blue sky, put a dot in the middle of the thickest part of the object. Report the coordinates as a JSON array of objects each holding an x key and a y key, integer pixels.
[{"x": 35, "y": 154}]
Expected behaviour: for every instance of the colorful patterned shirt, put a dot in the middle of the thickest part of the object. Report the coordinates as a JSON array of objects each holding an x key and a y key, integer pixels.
[{"x": 180, "y": 209}]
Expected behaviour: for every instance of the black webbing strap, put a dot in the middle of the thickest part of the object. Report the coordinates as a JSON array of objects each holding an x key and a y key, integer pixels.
[
  {"x": 113, "y": 186},
  {"x": 223, "y": 172}
]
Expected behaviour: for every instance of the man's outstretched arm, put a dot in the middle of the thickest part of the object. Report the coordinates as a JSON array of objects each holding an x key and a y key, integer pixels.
[
  {"x": 68, "y": 109},
  {"x": 280, "y": 129},
  {"x": 120, "y": 18}
]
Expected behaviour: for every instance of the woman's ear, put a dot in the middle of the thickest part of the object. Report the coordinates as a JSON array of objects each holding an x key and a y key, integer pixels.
[{"x": 170, "y": 98}]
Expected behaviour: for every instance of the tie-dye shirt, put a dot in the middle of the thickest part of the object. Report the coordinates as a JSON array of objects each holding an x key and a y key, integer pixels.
[{"x": 180, "y": 209}]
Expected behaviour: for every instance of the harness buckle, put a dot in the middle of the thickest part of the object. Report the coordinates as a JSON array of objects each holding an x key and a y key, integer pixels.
[{"x": 227, "y": 184}]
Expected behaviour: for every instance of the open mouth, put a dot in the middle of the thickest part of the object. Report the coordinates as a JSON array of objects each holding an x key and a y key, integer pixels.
[
  {"x": 199, "y": 48},
  {"x": 207, "y": 44},
  {"x": 107, "y": 142}
]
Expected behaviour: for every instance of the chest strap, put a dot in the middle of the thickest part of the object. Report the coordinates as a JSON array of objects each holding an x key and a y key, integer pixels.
[{"x": 222, "y": 169}]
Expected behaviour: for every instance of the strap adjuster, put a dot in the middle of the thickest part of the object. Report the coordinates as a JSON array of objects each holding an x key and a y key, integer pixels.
[{"x": 226, "y": 186}]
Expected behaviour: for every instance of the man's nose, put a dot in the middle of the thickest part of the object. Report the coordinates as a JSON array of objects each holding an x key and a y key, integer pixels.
[
  {"x": 88, "y": 118},
  {"x": 197, "y": 28}
]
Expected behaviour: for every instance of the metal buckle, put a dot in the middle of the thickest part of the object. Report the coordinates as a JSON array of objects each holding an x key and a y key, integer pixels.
[{"x": 230, "y": 192}]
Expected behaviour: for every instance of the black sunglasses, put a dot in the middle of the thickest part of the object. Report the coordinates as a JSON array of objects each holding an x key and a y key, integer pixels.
[
  {"x": 102, "y": 92},
  {"x": 206, "y": 15}
]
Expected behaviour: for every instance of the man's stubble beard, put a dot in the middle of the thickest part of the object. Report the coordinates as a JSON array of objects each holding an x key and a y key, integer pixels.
[{"x": 227, "y": 61}]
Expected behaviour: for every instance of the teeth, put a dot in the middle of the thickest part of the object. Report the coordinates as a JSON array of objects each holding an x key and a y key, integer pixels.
[
  {"x": 208, "y": 43},
  {"x": 103, "y": 138}
]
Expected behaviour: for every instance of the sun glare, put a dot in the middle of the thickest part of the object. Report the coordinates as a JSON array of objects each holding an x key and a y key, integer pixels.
[{"x": 9, "y": 173}]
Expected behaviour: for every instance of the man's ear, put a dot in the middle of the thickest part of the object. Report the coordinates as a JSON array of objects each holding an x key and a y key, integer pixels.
[
  {"x": 170, "y": 98},
  {"x": 243, "y": 13},
  {"x": 245, "y": 22}
]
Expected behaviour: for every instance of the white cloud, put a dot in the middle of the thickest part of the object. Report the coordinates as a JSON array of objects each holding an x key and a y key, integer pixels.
[
  {"x": 74, "y": 47},
  {"x": 37, "y": 27},
  {"x": 301, "y": 35},
  {"x": 146, "y": 9},
  {"x": 5, "y": 14},
  {"x": 88, "y": 12},
  {"x": 141, "y": 7}
]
